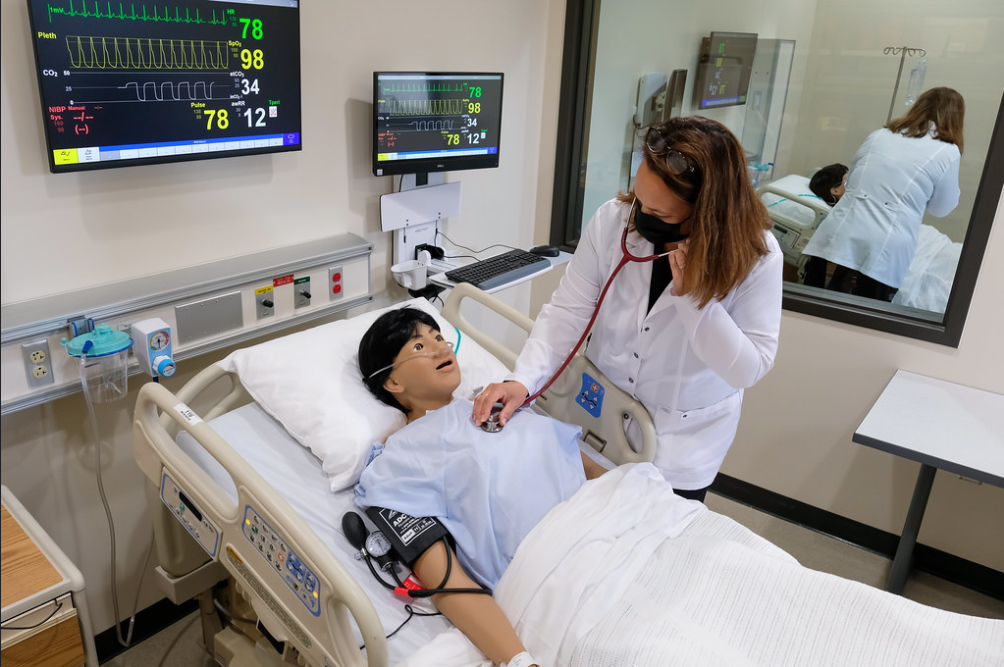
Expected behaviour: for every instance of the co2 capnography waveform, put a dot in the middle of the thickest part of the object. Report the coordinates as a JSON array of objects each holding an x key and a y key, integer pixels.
[
  {"x": 426, "y": 125},
  {"x": 169, "y": 91}
]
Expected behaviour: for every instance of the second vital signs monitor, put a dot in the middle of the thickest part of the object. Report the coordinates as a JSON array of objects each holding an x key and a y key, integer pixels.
[{"x": 429, "y": 122}]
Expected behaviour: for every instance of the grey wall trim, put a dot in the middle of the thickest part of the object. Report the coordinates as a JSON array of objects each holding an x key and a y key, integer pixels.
[
  {"x": 59, "y": 391},
  {"x": 42, "y": 317}
]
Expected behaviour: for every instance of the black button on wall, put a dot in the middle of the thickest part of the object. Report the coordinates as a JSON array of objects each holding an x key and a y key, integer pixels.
[{"x": 635, "y": 355}]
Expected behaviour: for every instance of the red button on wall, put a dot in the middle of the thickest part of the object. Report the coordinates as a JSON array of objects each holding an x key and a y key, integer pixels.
[
  {"x": 336, "y": 289},
  {"x": 336, "y": 277}
]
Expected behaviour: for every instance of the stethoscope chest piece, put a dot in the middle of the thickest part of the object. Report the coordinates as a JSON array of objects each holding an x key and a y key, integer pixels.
[{"x": 492, "y": 424}]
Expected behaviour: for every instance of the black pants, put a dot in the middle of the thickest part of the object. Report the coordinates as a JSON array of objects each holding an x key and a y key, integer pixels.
[
  {"x": 696, "y": 494},
  {"x": 854, "y": 282},
  {"x": 815, "y": 272},
  {"x": 846, "y": 280}
]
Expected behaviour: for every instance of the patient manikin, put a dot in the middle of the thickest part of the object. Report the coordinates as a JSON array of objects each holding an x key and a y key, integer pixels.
[{"x": 488, "y": 489}]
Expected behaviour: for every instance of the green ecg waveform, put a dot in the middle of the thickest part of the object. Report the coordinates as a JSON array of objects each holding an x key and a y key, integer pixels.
[
  {"x": 158, "y": 14},
  {"x": 146, "y": 53},
  {"x": 418, "y": 88},
  {"x": 425, "y": 107}
]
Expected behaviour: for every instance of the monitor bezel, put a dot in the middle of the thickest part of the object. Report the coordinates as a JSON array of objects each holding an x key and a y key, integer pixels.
[
  {"x": 459, "y": 163},
  {"x": 165, "y": 159},
  {"x": 703, "y": 60}
]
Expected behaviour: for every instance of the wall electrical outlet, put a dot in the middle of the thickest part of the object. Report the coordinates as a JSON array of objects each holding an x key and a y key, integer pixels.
[
  {"x": 264, "y": 299},
  {"x": 335, "y": 290},
  {"x": 301, "y": 292},
  {"x": 37, "y": 363}
]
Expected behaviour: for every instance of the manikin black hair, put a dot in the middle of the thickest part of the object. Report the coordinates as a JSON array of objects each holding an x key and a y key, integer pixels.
[
  {"x": 830, "y": 176},
  {"x": 382, "y": 343}
]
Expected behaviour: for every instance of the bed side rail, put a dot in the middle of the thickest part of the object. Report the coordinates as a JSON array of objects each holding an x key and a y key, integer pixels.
[
  {"x": 323, "y": 637},
  {"x": 617, "y": 410},
  {"x": 818, "y": 207}
]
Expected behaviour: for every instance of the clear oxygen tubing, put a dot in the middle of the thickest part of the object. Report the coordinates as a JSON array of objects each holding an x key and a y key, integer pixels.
[
  {"x": 626, "y": 258},
  {"x": 127, "y": 640}
]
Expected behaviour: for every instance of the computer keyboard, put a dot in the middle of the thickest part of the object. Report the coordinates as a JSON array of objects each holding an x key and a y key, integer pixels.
[{"x": 499, "y": 270}]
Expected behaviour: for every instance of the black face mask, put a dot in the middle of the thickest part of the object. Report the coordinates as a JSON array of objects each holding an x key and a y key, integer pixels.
[{"x": 655, "y": 230}]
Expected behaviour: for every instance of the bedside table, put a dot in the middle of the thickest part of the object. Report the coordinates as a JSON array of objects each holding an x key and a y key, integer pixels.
[{"x": 45, "y": 620}]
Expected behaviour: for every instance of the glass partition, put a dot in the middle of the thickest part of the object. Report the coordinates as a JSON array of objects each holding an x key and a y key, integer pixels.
[{"x": 825, "y": 76}]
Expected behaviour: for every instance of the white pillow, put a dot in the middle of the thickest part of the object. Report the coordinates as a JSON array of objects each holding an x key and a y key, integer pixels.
[{"x": 311, "y": 384}]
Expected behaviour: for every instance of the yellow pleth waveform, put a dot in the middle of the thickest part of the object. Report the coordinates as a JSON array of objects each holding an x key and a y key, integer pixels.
[
  {"x": 425, "y": 107},
  {"x": 146, "y": 53}
]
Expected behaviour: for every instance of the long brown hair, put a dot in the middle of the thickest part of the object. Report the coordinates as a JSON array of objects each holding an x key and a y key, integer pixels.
[
  {"x": 942, "y": 106},
  {"x": 728, "y": 220}
]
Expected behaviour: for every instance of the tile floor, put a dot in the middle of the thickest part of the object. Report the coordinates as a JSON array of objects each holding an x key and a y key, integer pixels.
[{"x": 179, "y": 645}]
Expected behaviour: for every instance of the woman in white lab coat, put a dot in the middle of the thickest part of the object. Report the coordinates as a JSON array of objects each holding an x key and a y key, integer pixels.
[
  {"x": 684, "y": 334},
  {"x": 901, "y": 170}
]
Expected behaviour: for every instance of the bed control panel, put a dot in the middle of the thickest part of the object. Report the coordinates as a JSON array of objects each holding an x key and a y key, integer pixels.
[
  {"x": 194, "y": 521},
  {"x": 591, "y": 395},
  {"x": 300, "y": 579}
]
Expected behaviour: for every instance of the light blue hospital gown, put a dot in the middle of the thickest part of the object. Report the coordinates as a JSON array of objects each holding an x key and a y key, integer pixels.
[{"x": 488, "y": 489}]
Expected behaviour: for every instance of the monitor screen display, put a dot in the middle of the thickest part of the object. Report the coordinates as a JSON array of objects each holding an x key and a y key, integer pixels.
[
  {"x": 724, "y": 69},
  {"x": 131, "y": 83},
  {"x": 425, "y": 122}
]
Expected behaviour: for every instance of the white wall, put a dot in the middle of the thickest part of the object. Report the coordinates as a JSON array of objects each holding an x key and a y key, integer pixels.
[
  {"x": 795, "y": 434},
  {"x": 849, "y": 81},
  {"x": 76, "y": 230},
  {"x": 638, "y": 37}
]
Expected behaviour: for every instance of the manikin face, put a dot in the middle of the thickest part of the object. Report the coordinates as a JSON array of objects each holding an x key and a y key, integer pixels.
[
  {"x": 839, "y": 190},
  {"x": 655, "y": 198},
  {"x": 420, "y": 377}
]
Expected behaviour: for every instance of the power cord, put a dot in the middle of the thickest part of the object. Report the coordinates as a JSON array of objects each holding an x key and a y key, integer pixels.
[
  {"x": 411, "y": 614},
  {"x": 494, "y": 245}
]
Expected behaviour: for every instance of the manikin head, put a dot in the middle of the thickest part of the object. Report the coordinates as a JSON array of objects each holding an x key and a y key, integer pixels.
[
  {"x": 829, "y": 183},
  {"x": 406, "y": 362}
]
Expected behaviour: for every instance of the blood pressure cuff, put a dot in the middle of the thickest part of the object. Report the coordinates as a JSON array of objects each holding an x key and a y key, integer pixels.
[{"x": 409, "y": 536}]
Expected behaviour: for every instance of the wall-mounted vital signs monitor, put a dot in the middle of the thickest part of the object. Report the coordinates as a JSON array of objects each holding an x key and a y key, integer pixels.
[
  {"x": 428, "y": 122},
  {"x": 724, "y": 67},
  {"x": 141, "y": 82}
]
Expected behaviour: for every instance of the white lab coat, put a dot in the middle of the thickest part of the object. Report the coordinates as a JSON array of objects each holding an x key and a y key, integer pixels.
[
  {"x": 687, "y": 366},
  {"x": 893, "y": 179}
]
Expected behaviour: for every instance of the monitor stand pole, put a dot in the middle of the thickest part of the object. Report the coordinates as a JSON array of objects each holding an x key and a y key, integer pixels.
[{"x": 407, "y": 240}]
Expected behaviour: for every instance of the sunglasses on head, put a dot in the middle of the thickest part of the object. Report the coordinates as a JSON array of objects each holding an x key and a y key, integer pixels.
[{"x": 676, "y": 162}]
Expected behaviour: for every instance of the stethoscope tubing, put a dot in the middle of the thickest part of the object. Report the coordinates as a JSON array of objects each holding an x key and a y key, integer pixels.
[{"x": 626, "y": 258}]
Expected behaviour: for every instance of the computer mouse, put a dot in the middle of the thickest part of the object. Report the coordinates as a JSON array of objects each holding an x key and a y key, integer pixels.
[{"x": 545, "y": 251}]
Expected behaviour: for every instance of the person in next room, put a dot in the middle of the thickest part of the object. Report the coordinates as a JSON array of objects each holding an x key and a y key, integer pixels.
[
  {"x": 902, "y": 171},
  {"x": 829, "y": 184},
  {"x": 686, "y": 333},
  {"x": 488, "y": 489}
]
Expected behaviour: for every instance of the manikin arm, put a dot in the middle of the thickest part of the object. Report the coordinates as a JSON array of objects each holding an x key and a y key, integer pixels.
[{"x": 478, "y": 616}]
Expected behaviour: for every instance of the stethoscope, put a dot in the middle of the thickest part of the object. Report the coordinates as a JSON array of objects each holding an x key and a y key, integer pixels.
[{"x": 627, "y": 257}]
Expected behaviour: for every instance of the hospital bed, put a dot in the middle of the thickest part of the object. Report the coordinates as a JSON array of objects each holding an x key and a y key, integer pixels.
[
  {"x": 217, "y": 484},
  {"x": 623, "y": 564},
  {"x": 795, "y": 213}
]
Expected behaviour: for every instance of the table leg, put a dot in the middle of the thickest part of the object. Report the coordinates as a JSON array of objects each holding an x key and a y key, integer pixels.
[{"x": 904, "y": 552}]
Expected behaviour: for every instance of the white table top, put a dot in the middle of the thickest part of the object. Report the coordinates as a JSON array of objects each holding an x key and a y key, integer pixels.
[{"x": 943, "y": 424}]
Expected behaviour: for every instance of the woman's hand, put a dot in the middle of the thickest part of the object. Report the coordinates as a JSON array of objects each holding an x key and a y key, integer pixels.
[
  {"x": 677, "y": 264},
  {"x": 511, "y": 394}
]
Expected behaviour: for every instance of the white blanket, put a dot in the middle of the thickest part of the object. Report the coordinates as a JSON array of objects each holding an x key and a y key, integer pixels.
[{"x": 628, "y": 574}]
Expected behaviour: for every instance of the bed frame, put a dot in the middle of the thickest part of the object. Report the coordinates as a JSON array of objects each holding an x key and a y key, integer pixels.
[
  {"x": 205, "y": 542},
  {"x": 792, "y": 234}
]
